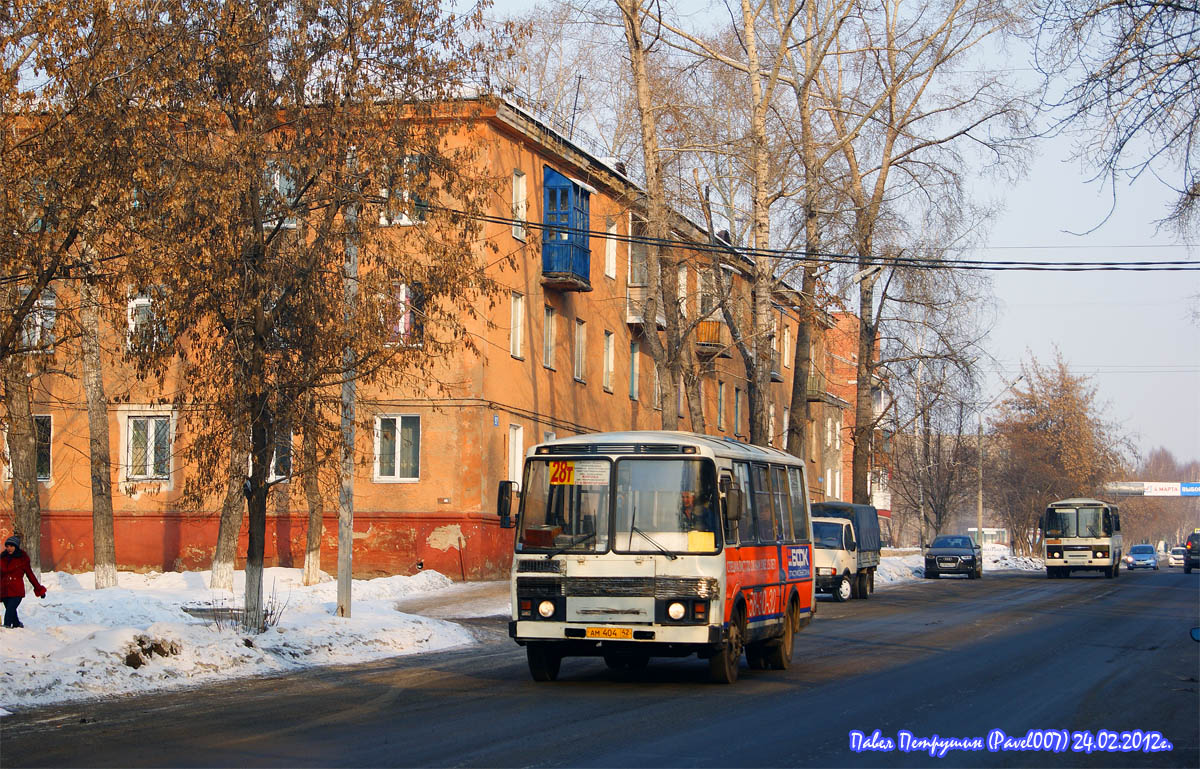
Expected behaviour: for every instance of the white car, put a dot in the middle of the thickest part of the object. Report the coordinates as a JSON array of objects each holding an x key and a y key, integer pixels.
[{"x": 1176, "y": 556}]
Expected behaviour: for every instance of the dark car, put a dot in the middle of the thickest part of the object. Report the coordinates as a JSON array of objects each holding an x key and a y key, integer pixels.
[
  {"x": 953, "y": 554},
  {"x": 1141, "y": 557},
  {"x": 1192, "y": 559}
]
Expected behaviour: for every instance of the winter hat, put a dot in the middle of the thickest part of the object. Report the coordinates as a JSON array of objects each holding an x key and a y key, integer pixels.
[{"x": 14, "y": 540}]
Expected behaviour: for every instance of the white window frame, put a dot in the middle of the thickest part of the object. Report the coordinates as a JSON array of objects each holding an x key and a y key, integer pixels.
[
  {"x": 403, "y": 332},
  {"x": 580, "y": 350},
  {"x": 131, "y": 307},
  {"x": 682, "y": 289},
  {"x": 37, "y": 328},
  {"x": 516, "y": 322},
  {"x": 771, "y": 424},
  {"x": 284, "y": 186},
  {"x": 516, "y": 451},
  {"x": 520, "y": 204},
  {"x": 6, "y": 455},
  {"x": 548, "y": 344},
  {"x": 737, "y": 410},
  {"x": 609, "y": 343},
  {"x": 787, "y": 346},
  {"x": 837, "y": 433},
  {"x": 828, "y": 432},
  {"x": 377, "y": 476},
  {"x": 126, "y": 415},
  {"x": 404, "y": 195},
  {"x": 635, "y": 350},
  {"x": 783, "y": 428},
  {"x": 610, "y": 248}
]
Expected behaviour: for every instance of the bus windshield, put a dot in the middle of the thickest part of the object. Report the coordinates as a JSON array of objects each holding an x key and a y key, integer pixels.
[
  {"x": 666, "y": 505},
  {"x": 566, "y": 504},
  {"x": 1075, "y": 522}
]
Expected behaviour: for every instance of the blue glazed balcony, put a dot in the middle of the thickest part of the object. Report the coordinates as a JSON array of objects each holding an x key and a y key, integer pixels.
[
  {"x": 566, "y": 257},
  {"x": 566, "y": 266}
]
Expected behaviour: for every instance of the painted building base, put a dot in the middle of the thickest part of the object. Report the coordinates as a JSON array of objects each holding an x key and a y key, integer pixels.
[{"x": 463, "y": 546}]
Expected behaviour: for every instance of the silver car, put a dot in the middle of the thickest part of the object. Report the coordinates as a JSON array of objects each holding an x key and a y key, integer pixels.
[{"x": 1141, "y": 557}]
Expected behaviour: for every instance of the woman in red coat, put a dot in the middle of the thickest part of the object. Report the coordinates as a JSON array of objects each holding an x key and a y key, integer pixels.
[{"x": 14, "y": 568}]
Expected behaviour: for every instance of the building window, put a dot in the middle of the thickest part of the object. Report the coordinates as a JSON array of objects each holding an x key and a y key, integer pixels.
[
  {"x": 516, "y": 451},
  {"x": 42, "y": 428},
  {"x": 657, "y": 386},
  {"x": 783, "y": 430},
  {"x": 721, "y": 406},
  {"x": 737, "y": 410},
  {"x": 608, "y": 360},
  {"x": 519, "y": 205},
  {"x": 145, "y": 330},
  {"x": 610, "y": 248},
  {"x": 516, "y": 321},
  {"x": 837, "y": 433},
  {"x": 771, "y": 424},
  {"x": 580, "y": 348},
  {"x": 634, "y": 351},
  {"x": 279, "y": 206},
  {"x": 548, "y": 338},
  {"x": 37, "y": 329},
  {"x": 398, "y": 447},
  {"x": 708, "y": 293},
  {"x": 787, "y": 346},
  {"x": 281, "y": 460},
  {"x": 639, "y": 271},
  {"x": 402, "y": 206},
  {"x": 408, "y": 313},
  {"x": 683, "y": 290},
  {"x": 149, "y": 449},
  {"x": 828, "y": 432}
]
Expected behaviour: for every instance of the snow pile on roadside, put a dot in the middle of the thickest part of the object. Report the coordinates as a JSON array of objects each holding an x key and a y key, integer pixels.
[
  {"x": 79, "y": 642},
  {"x": 900, "y": 568},
  {"x": 1000, "y": 557}
]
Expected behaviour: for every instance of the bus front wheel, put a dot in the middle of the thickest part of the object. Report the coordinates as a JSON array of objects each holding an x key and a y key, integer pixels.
[
  {"x": 723, "y": 666},
  {"x": 544, "y": 661}
]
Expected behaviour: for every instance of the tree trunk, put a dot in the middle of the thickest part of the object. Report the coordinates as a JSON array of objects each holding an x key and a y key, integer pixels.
[
  {"x": 864, "y": 406},
  {"x": 22, "y": 455},
  {"x": 232, "y": 511},
  {"x": 262, "y": 442},
  {"x": 345, "y": 558},
  {"x": 316, "y": 509},
  {"x": 104, "y": 554}
]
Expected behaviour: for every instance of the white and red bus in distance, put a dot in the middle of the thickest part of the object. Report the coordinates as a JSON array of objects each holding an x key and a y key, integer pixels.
[{"x": 635, "y": 545}]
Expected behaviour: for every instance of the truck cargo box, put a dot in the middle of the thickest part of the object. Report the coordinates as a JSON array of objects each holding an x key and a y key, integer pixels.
[{"x": 864, "y": 517}]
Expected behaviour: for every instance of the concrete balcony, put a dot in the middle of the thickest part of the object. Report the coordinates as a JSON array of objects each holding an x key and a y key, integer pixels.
[{"x": 635, "y": 303}]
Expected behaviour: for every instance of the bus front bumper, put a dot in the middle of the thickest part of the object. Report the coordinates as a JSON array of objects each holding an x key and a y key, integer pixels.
[{"x": 601, "y": 637}]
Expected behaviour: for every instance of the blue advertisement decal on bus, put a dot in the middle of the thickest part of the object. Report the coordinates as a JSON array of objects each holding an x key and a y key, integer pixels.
[{"x": 798, "y": 565}]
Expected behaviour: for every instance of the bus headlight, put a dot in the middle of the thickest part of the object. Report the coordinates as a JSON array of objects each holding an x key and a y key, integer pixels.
[
  {"x": 676, "y": 610},
  {"x": 546, "y": 609}
]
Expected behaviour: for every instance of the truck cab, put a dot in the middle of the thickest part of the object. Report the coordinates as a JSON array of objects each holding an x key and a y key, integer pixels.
[{"x": 845, "y": 560}]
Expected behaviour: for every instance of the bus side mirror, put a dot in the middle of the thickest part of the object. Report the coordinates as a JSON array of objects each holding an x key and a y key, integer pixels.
[
  {"x": 733, "y": 502},
  {"x": 504, "y": 503}
]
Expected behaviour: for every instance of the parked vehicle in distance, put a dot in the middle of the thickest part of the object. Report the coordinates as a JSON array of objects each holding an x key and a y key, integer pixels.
[
  {"x": 1141, "y": 557},
  {"x": 1176, "y": 556},
  {"x": 1191, "y": 558},
  {"x": 953, "y": 554},
  {"x": 845, "y": 549}
]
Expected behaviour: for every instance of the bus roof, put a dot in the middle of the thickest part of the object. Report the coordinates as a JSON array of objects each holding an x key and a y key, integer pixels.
[
  {"x": 626, "y": 442},
  {"x": 1081, "y": 502}
]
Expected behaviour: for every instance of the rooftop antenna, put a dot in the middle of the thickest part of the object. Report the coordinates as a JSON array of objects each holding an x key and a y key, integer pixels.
[{"x": 575, "y": 107}]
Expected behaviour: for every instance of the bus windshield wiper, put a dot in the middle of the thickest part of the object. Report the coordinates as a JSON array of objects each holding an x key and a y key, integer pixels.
[
  {"x": 570, "y": 545},
  {"x": 663, "y": 550}
]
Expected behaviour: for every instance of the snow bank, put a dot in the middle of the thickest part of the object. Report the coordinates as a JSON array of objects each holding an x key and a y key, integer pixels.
[{"x": 80, "y": 642}]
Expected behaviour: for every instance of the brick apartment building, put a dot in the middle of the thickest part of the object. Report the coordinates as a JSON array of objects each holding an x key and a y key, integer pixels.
[{"x": 559, "y": 353}]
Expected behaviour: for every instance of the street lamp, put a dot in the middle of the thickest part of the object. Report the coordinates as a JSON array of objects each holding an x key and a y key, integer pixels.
[{"x": 979, "y": 496}]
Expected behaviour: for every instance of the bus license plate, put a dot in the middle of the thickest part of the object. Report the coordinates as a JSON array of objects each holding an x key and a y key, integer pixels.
[{"x": 619, "y": 633}]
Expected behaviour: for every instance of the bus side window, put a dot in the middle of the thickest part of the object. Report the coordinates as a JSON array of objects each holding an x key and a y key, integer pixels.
[
  {"x": 742, "y": 531},
  {"x": 783, "y": 512},
  {"x": 764, "y": 518},
  {"x": 799, "y": 506}
]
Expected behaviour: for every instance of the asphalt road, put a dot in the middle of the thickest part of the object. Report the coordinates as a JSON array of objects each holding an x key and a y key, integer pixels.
[{"x": 951, "y": 657}]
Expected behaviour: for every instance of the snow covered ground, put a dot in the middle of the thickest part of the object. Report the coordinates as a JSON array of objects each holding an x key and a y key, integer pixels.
[{"x": 79, "y": 642}]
